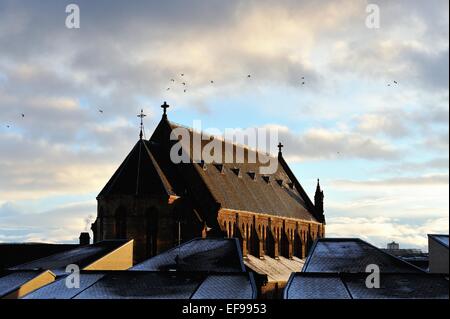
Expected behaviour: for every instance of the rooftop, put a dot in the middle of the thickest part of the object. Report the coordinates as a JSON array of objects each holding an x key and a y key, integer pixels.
[
  {"x": 352, "y": 255},
  {"x": 352, "y": 286}
]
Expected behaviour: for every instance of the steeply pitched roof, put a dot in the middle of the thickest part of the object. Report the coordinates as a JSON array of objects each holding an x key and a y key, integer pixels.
[
  {"x": 240, "y": 186},
  {"x": 441, "y": 239},
  {"x": 353, "y": 286},
  {"x": 139, "y": 174},
  {"x": 198, "y": 255},
  {"x": 352, "y": 255},
  {"x": 81, "y": 256}
]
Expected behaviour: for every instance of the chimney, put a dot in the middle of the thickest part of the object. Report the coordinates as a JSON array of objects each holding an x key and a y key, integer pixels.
[{"x": 85, "y": 239}]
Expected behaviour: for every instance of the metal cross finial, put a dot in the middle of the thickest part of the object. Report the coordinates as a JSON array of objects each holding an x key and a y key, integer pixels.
[
  {"x": 280, "y": 146},
  {"x": 142, "y": 115},
  {"x": 165, "y": 106}
]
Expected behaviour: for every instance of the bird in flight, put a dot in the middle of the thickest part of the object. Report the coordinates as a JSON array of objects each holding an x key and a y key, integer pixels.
[
  {"x": 249, "y": 76},
  {"x": 212, "y": 81},
  {"x": 303, "y": 83},
  {"x": 168, "y": 89},
  {"x": 8, "y": 126},
  {"x": 395, "y": 82},
  {"x": 184, "y": 83},
  {"x": 184, "y": 91},
  {"x": 182, "y": 74},
  {"x": 173, "y": 80},
  {"x": 100, "y": 111},
  {"x": 23, "y": 115}
]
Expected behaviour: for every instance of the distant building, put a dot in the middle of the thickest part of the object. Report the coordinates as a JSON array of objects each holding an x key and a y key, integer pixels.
[
  {"x": 438, "y": 253},
  {"x": 414, "y": 256},
  {"x": 393, "y": 246}
]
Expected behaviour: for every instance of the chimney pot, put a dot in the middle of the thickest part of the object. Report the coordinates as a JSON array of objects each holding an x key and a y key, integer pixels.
[{"x": 85, "y": 239}]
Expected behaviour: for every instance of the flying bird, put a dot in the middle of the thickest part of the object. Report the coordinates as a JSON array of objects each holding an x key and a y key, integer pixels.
[
  {"x": 184, "y": 90},
  {"x": 395, "y": 82},
  {"x": 100, "y": 111},
  {"x": 8, "y": 126},
  {"x": 184, "y": 83},
  {"x": 172, "y": 80},
  {"x": 303, "y": 83},
  {"x": 249, "y": 76},
  {"x": 182, "y": 74},
  {"x": 168, "y": 89},
  {"x": 23, "y": 115},
  {"x": 212, "y": 81}
]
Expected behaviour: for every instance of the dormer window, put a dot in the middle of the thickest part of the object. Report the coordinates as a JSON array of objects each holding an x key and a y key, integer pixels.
[
  {"x": 236, "y": 171},
  {"x": 279, "y": 181},
  {"x": 252, "y": 175},
  {"x": 266, "y": 178},
  {"x": 220, "y": 168}
]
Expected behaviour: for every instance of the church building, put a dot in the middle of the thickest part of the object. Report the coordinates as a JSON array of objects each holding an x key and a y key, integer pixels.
[{"x": 160, "y": 204}]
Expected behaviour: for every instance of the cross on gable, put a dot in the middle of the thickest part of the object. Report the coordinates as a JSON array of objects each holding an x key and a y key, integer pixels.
[
  {"x": 280, "y": 146},
  {"x": 141, "y": 115},
  {"x": 165, "y": 106}
]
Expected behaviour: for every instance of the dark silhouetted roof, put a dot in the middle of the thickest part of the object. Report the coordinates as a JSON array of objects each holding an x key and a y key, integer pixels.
[
  {"x": 199, "y": 255},
  {"x": 13, "y": 280},
  {"x": 442, "y": 239},
  {"x": 59, "y": 290},
  {"x": 139, "y": 174},
  {"x": 352, "y": 255},
  {"x": 12, "y": 254},
  {"x": 81, "y": 256},
  {"x": 152, "y": 285},
  {"x": 242, "y": 192},
  {"x": 352, "y": 286},
  {"x": 315, "y": 286}
]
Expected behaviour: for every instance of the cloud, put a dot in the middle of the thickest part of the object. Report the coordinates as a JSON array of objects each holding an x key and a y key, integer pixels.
[
  {"x": 320, "y": 143},
  {"x": 431, "y": 180},
  {"x": 124, "y": 55},
  {"x": 62, "y": 224},
  {"x": 381, "y": 230}
]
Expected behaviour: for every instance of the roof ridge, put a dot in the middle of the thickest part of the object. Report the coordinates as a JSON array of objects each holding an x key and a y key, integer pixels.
[{"x": 222, "y": 139}]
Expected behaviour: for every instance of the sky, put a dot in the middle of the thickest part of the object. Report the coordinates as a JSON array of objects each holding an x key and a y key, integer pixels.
[{"x": 379, "y": 147}]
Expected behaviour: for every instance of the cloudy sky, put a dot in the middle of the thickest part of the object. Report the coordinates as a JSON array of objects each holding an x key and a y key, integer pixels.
[{"x": 379, "y": 148}]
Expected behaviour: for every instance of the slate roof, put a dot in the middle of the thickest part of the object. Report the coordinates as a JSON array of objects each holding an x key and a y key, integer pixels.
[
  {"x": 12, "y": 254},
  {"x": 82, "y": 256},
  {"x": 152, "y": 285},
  {"x": 59, "y": 290},
  {"x": 352, "y": 286},
  {"x": 247, "y": 193},
  {"x": 442, "y": 239},
  {"x": 13, "y": 280},
  {"x": 315, "y": 286},
  {"x": 352, "y": 255},
  {"x": 198, "y": 255},
  {"x": 139, "y": 174},
  {"x": 276, "y": 270}
]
